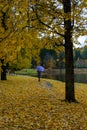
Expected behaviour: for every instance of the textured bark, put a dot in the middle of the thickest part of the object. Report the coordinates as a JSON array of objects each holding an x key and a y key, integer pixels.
[
  {"x": 3, "y": 70},
  {"x": 69, "y": 76}
]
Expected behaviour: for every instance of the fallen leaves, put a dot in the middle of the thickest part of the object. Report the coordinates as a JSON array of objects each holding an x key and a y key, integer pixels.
[{"x": 26, "y": 104}]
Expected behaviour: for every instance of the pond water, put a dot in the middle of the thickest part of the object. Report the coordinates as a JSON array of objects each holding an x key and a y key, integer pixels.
[{"x": 80, "y": 78}]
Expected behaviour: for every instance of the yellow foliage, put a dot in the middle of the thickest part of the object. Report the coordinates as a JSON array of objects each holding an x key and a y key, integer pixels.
[
  {"x": 20, "y": 28},
  {"x": 26, "y": 104}
]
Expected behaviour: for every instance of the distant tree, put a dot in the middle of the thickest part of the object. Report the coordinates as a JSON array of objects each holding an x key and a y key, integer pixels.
[
  {"x": 61, "y": 61},
  {"x": 48, "y": 57},
  {"x": 77, "y": 54},
  {"x": 84, "y": 52}
]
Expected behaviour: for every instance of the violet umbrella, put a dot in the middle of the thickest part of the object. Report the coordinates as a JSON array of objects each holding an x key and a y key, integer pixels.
[{"x": 40, "y": 68}]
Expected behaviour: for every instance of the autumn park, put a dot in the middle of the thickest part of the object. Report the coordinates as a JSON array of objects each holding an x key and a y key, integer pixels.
[{"x": 43, "y": 74}]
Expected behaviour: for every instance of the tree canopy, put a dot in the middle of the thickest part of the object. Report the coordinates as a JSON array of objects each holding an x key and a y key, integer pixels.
[{"x": 21, "y": 19}]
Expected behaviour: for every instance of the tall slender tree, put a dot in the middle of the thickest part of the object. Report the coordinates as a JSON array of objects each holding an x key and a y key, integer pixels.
[{"x": 69, "y": 77}]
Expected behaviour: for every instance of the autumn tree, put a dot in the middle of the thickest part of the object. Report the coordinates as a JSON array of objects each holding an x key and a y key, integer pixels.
[
  {"x": 18, "y": 43},
  {"x": 63, "y": 19},
  {"x": 5, "y": 32}
]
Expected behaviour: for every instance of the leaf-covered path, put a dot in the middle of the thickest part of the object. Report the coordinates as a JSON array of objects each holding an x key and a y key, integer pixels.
[{"x": 26, "y": 104}]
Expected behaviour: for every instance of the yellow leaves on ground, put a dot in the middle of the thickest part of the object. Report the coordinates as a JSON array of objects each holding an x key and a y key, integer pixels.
[{"x": 26, "y": 104}]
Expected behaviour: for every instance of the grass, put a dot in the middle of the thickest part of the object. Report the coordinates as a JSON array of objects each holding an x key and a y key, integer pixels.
[
  {"x": 26, "y": 104},
  {"x": 31, "y": 72}
]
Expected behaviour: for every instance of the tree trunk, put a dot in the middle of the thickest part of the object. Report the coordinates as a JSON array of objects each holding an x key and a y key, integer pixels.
[
  {"x": 3, "y": 70},
  {"x": 69, "y": 76}
]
